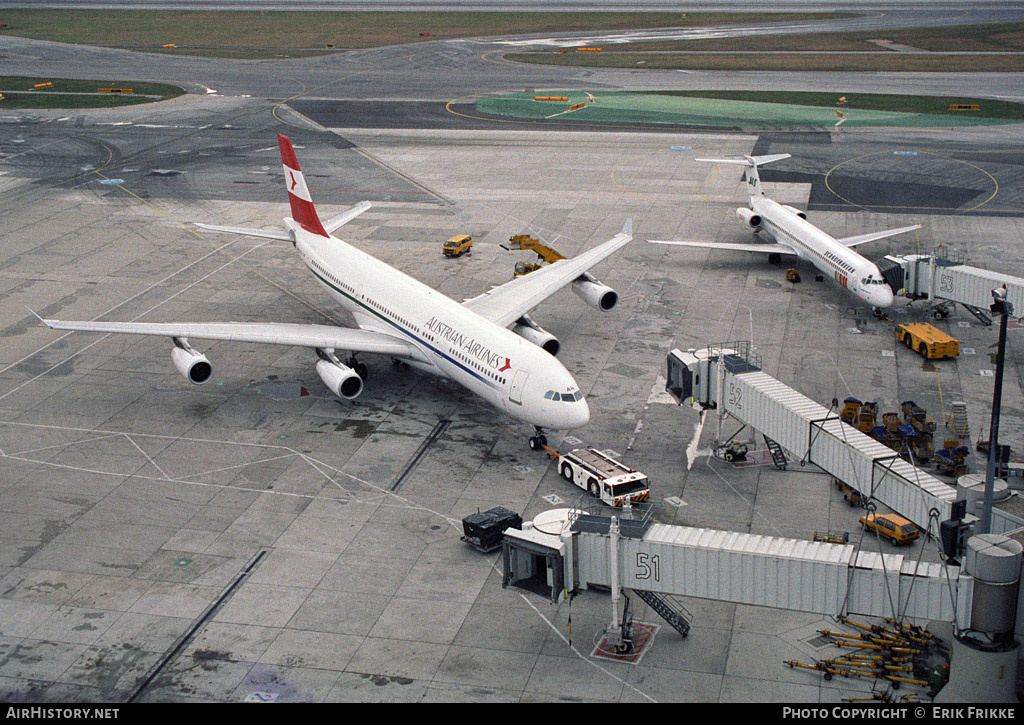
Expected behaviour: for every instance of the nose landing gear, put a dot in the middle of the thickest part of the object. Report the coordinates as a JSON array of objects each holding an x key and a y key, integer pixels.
[{"x": 538, "y": 441}]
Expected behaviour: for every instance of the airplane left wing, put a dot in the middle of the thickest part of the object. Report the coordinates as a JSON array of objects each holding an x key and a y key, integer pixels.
[
  {"x": 506, "y": 303},
  {"x": 872, "y": 236},
  {"x": 275, "y": 333}
]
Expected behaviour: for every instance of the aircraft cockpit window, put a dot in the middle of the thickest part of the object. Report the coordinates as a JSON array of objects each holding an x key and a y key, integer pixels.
[
  {"x": 572, "y": 397},
  {"x": 564, "y": 397}
]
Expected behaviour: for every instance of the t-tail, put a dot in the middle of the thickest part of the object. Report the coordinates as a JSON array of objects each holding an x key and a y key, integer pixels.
[
  {"x": 750, "y": 172},
  {"x": 303, "y": 210}
]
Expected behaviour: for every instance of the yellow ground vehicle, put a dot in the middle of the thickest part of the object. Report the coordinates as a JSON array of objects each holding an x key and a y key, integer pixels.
[
  {"x": 892, "y": 527},
  {"x": 458, "y": 245},
  {"x": 544, "y": 253},
  {"x": 930, "y": 341},
  {"x": 522, "y": 268},
  {"x": 852, "y": 495}
]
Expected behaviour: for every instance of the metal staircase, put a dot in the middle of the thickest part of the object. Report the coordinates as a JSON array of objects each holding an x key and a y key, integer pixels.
[
  {"x": 672, "y": 612},
  {"x": 956, "y": 421},
  {"x": 778, "y": 457},
  {"x": 980, "y": 314}
]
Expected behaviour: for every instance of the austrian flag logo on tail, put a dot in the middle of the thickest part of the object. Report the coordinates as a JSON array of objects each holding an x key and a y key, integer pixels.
[{"x": 297, "y": 185}]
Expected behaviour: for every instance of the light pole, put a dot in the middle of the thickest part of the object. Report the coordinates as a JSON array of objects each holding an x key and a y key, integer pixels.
[{"x": 1004, "y": 309}]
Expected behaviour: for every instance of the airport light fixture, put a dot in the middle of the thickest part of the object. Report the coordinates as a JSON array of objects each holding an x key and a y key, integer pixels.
[{"x": 1004, "y": 309}]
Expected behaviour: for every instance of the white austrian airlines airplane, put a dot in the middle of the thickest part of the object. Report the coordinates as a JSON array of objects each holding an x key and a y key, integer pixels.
[
  {"x": 794, "y": 235},
  {"x": 470, "y": 343}
]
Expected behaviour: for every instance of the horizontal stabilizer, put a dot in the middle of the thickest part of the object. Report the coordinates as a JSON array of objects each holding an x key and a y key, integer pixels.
[
  {"x": 346, "y": 216},
  {"x": 749, "y": 160},
  {"x": 872, "y": 236},
  {"x": 733, "y": 247},
  {"x": 264, "y": 233}
]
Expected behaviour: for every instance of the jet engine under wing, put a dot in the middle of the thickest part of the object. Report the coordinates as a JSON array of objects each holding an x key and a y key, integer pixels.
[
  {"x": 767, "y": 248},
  {"x": 506, "y": 303},
  {"x": 274, "y": 333},
  {"x": 872, "y": 236}
]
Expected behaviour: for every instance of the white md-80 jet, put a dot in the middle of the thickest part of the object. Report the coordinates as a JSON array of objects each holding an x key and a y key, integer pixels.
[
  {"x": 512, "y": 369},
  {"x": 793, "y": 235}
]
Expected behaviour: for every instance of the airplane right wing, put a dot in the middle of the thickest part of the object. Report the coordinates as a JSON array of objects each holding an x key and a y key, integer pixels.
[
  {"x": 766, "y": 248},
  {"x": 327, "y": 337},
  {"x": 506, "y": 303}
]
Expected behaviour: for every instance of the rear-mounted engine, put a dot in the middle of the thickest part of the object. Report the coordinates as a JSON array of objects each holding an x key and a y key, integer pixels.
[{"x": 748, "y": 218}]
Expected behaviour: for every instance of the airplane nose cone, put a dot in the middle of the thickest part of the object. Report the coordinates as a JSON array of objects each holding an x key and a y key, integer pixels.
[
  {"x": 584, "y": 413},
  {"x": 884, "y": 297}
]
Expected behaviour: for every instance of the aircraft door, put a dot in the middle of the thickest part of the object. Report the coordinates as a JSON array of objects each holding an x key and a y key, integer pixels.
[{"x": 515, "y": 393}]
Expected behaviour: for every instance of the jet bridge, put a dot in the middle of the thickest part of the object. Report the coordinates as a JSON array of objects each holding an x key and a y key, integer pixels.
[
  {"x": 728, "y": 380},
  {"x": 943, "y": 277},
  {"x": 570, "y": 550},
  {"x": 564, "y": 551}
]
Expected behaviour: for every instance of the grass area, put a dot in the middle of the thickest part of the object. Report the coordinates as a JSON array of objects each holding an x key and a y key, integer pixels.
[
  {"x": 866, "y": 101},
  {"x": 68, "y": 93},
  {"x": 993, "y": 45},
  {"x": 992, "y": 38},
  {"x": 851, "y": 62},
  {"x": 260, "y": 34}
]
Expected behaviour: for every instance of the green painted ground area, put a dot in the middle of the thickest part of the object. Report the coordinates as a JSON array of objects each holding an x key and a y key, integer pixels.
[{"x": 670, "y": 108}]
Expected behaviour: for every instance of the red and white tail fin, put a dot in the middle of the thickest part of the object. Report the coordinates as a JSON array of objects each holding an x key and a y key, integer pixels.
[{"x": 303, "y": 210}]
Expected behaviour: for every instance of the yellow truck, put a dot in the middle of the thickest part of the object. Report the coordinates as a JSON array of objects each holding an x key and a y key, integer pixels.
[
  {"x": 928, "y": 340},
  {"x": 458, "y": 245}
]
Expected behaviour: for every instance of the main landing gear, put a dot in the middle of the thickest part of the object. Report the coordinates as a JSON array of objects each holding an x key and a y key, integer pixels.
[
  {"x": 538, "y": 441},
  {"x": 361, "y": 370}
]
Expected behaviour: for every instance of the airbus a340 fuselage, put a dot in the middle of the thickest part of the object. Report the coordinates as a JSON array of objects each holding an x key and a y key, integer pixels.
[{"x": 495, "y": 363}]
